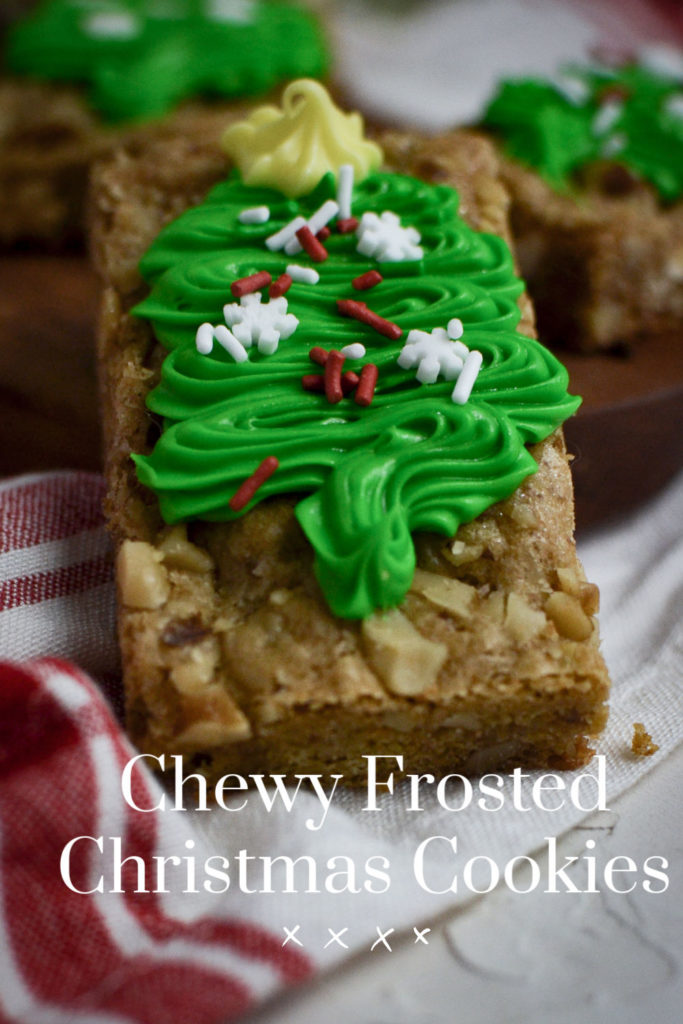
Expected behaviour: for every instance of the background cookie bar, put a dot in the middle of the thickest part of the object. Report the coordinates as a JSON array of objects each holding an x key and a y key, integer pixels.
[
  {"x": 472, "y": 645},
  {"x": 593, "y": 161},
  {"x": 49, "y": 139},
  {"x": 82, "y": 77}
]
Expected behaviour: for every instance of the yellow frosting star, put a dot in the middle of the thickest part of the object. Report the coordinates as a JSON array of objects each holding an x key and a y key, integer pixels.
[{"x": 292, "y": 148}]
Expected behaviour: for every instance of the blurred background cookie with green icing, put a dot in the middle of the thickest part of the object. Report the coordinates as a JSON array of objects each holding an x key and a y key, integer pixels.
[
  {"x": 83, "y": 75},
  {"x": 140, "y": 58},
  {"x": 593, "y": 158}
]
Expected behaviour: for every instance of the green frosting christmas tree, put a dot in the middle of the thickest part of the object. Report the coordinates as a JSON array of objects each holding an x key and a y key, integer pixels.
[{"x": 237, "y": 386}]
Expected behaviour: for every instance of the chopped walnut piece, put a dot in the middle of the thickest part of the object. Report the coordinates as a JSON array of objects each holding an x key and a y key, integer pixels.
[
  {"x": 444, "y": 592},
  {"x": 521, "y": 512},
  {"x": 203, "y": 735},
  {"x": 494, "y": 606},
  {"x": 566, "y": 613},
  {"x": 674, "y": 266},
  {"x": 406, "y": 663},
  {"x": 523, "y": 621},
  {"x": 180, "y": 553},
  {"x": 641, "y": 743},
  {"x": 142, "y": 578},
  {"x": 489, "y": 533},
  {"x": 197, "y": 667},
  {"x": 569, "y": 581},
  {"x": 589, "y": 596},
  {"x": 213, "y": 719},
  {"x": 457, "y": 552}
]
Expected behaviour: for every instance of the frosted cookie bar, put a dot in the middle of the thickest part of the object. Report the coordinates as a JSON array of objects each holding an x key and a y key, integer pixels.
[
  {"x": 347, "y": 524},
  {"x": 82, "y": 76},
  {"x": 593, "y": 160}
]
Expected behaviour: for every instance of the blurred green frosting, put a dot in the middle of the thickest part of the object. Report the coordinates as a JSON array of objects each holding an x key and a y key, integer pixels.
[
  {"x": 632, "y": 115},
  {"x": 369, "y": 477},
  {"x": 140, "y": 58}
]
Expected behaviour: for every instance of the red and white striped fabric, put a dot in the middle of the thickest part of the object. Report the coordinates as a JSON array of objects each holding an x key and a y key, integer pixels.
[
  {"x": 66, "y": 956},
  {"x": 56, "y": 594}
]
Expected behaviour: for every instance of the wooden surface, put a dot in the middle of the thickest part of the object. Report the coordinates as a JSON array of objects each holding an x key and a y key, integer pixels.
[
  {"x": 48, "y": 391},
  {"x": 627, "y": 437}
]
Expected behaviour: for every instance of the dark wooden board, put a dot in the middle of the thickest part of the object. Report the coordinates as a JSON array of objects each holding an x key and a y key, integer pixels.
[
  {"x": 627, "y": 438},
  {"x": 48, "y": 390}
]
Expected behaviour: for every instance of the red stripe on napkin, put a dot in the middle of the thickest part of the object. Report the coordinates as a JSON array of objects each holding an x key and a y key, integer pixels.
[
  {"x": 44, "y": 586},
  {"x": 62, "y": 755},
  {"x": 54, "y": 507}
]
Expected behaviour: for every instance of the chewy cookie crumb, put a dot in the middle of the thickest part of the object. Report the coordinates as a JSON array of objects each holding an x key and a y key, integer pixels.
[{"x": 641, "y": 743}]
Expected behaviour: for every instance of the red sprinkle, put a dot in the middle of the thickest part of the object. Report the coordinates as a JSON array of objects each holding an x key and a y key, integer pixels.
[
  {"x": 366, "y": 388},
  {"x": 318, "y": 355},
  {"x": 367, "y": 280},
  {"x": 349, "y": 381},
  {"x": 310, "y": 244},
  {"x": 253, "y": 283},
  {"x": 333, "y": 384},
  {"x": 613, "y": 94},
  {"x": 323, "y": 234},
  {"x": 279, "y": 287},
  {"x": 359, "y": 311},
  {"x": 313, "y": 382},
  {"x": 316, "y": 382},
  {"x": 345, "y": 225},
  {"x": 248, "y": 489}
]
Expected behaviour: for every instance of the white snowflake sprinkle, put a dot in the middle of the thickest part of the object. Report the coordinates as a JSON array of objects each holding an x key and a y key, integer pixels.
[
  {"x": 264, "y": 323},
  {"x": 441, "y": 354},
  {"x": 434, "y": 354},
  {"x": 385, "y": 239}
]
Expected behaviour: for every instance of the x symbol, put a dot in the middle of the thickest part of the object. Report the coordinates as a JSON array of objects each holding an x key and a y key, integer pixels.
[
  {"x": 382, "y": 938},
  {"x": 292, "y": 935},
  {"x": 336, "y": 937},
  {"x": 420, "y": 935}
]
